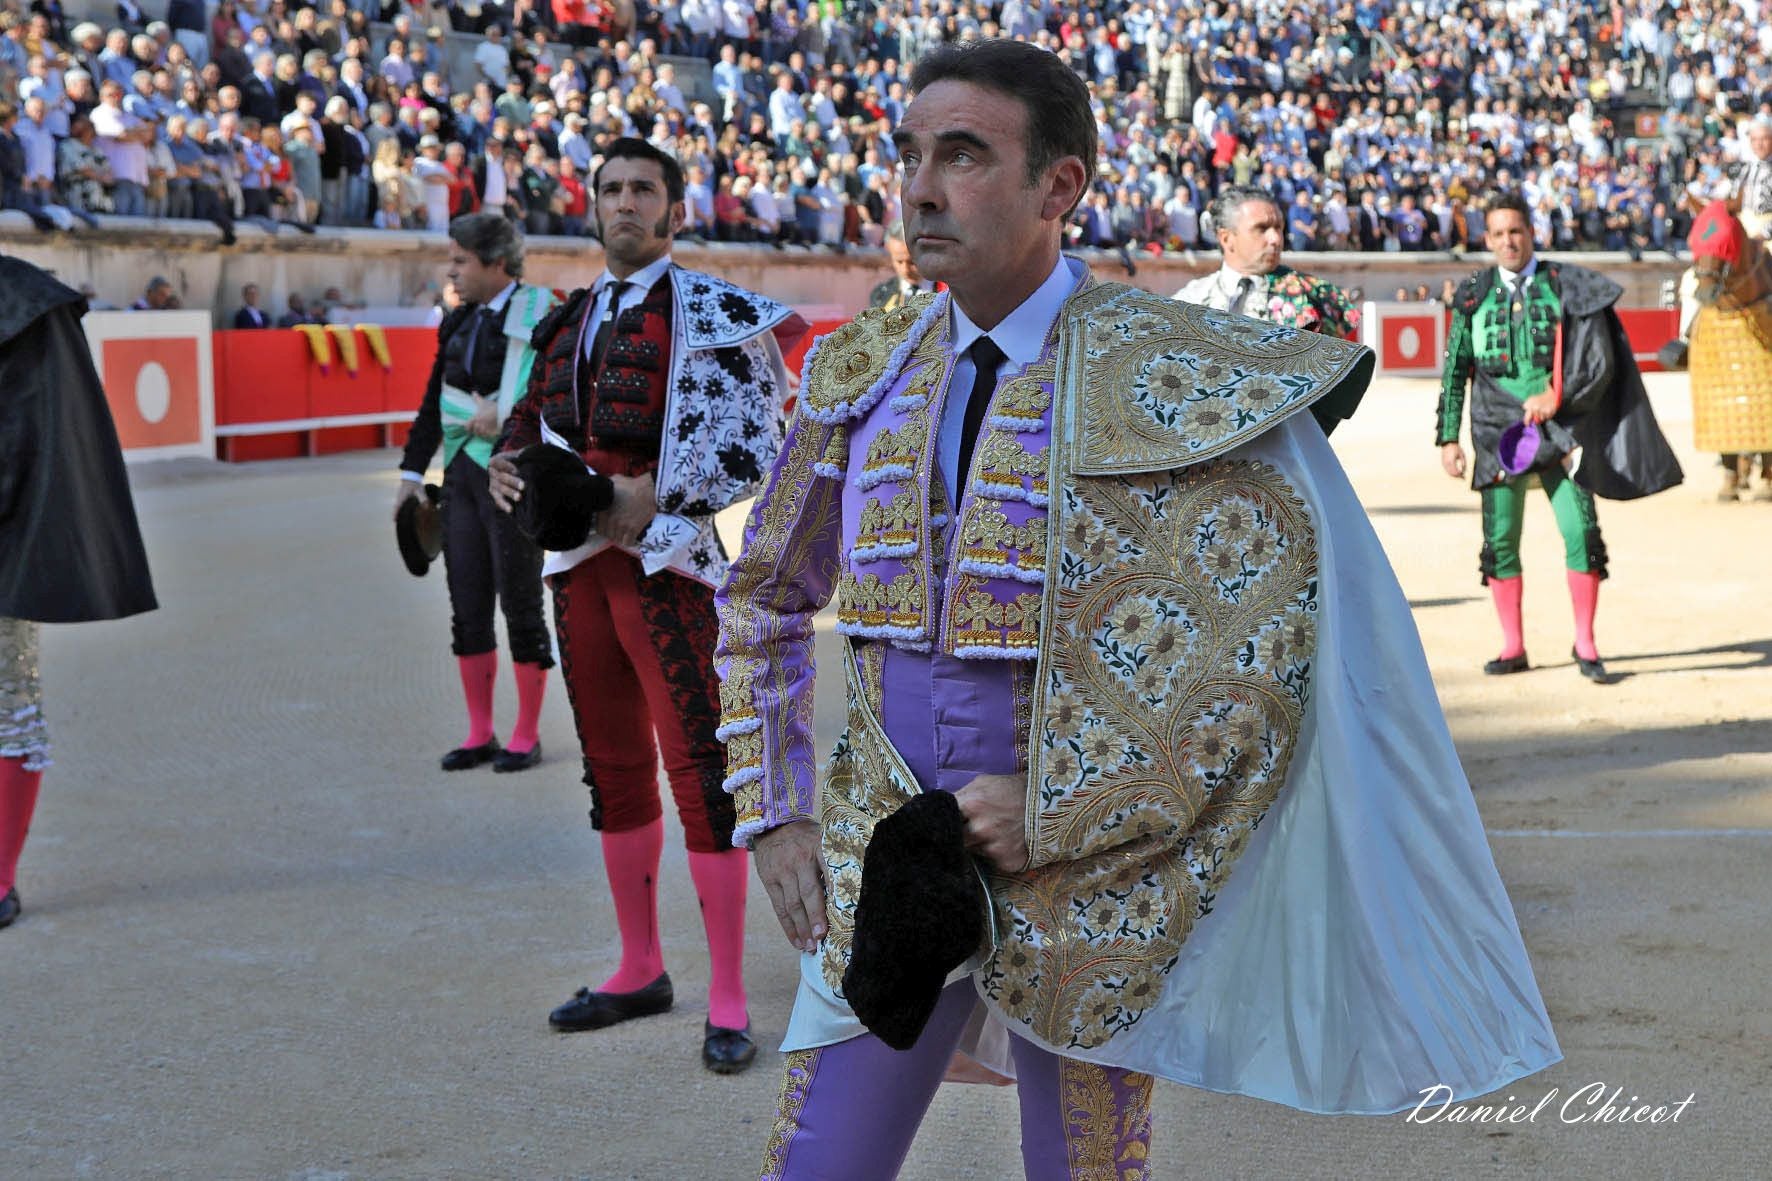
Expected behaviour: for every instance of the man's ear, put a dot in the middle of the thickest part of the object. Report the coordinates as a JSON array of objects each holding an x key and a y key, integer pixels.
[{"x": 1065, "y": 186}]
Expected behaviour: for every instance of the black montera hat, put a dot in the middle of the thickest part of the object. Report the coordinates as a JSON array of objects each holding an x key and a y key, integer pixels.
[{"x": 418, "y": 527}]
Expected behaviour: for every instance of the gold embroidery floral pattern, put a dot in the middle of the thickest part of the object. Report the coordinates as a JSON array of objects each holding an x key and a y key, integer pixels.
[
  {"x": 978, "y": 619},
  {"x": 1023, "y": 400},
  {"x": 888, "y": 529},
  {"x": 1164, "y": 383},
  {"x": 1174, "y": 678},
  {"x": 1107, "y": 1129},
  {"x": 1008, "y": 471},
  {"x": 864, "y": 601},
  {"x": 798, "y": 1071},
  {"x": 892, "y": 455},
  {"x": 834, "y": 460},
  {"x": 754, "y": 697},
  {"x": 989, "y": 544}
]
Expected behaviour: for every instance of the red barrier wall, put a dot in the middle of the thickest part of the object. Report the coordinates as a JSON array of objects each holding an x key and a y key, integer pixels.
[
  {"x": 270, "y": 376},
  {"x": 1649, "y": 329}
]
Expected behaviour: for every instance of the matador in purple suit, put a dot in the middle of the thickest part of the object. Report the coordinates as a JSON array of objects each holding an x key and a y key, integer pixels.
[{"x": 1113, "y": 622}]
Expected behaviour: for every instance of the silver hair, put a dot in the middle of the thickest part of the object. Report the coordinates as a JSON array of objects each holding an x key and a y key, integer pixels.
[
  {"x": 1230, "y": 201},
  {"x": 491, "y": 238}
]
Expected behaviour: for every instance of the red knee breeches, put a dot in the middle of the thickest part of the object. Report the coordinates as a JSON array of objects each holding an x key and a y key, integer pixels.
[{"x": 637, "y": 655}]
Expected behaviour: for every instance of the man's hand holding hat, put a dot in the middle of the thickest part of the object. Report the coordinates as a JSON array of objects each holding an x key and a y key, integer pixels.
[{"x": 551, "y": 494}]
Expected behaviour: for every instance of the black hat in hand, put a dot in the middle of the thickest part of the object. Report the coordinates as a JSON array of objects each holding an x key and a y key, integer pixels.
[
  {"x": 418, "y": 528},
  {"x": 921, "y": 915},
  {"x": 561, "y": 497}
]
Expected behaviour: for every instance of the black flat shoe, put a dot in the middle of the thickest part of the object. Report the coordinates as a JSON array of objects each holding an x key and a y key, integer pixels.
[
  {"x": 9, "y": 908},
  {"x": 516, "y": 760},
  {"x": 1593, "y": 670},
  {"x": 595, "y": 1010},
  {"x": 727, "y": 1051},
  {"x": 464, "y": 757},
  {"x": 1502, "y": 666}
]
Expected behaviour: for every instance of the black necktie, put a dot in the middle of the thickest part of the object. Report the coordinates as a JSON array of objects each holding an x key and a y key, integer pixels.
[
  {"x": 1244, "y": 286},
  {"x": 986, "y": 356},
  {"x": 476, "y": 329},
  {"x": 606, "y": 326}
]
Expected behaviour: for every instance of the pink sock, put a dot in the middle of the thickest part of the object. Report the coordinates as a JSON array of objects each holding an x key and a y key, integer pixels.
[
  {"x": 631, "y": 861},
  {"x": 1506, "y": 593},
  {"x": 1584, "y": 594},
  {"x": 720, "y": 880},
  {"x": 18, "y": 799},
  {"x": 478, "y": 674},
  {"x": 532, "y": 685}
]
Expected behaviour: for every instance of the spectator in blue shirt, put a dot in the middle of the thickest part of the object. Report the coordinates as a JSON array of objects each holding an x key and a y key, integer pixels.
[{"x": 1301, "y": 222}]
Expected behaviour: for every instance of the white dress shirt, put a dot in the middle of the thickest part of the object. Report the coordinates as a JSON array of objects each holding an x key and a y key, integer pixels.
[
  {"x": 1508, "y": 277},
  {"x": 1021, "y": 335}
]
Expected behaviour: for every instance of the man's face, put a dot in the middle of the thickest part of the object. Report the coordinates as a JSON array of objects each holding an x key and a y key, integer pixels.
[
  {"x": 971, "y": 219},
  {"x": 903, "y": 265},
  {"x": 477, "y": 281},
  {"x": 249, "y": 293},
  {"x": 1759, "y": 141},
  {"x": 635, "y": 215},
  {"x": 1251, "y": 243},
  {"x": 1508, "y": 235}
]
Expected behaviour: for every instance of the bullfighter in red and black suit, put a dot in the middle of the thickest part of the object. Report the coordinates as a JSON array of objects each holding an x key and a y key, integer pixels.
[{"x": 655, "y": 403}]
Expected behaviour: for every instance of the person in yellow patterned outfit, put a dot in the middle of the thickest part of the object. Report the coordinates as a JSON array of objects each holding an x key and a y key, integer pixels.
[{"x": 1100, "y": 646}]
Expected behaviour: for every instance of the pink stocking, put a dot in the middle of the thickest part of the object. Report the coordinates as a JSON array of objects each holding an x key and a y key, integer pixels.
[
  {"x": 1584, "y": 595},
  {"x": 631, "y": 861},
  {"x": 18, "y": 799},
  {"x": 1506, "y": 592},
  {"x": 532, "y": 685},
  {"x": 720, "y": 880},
  {"x": 478, "y": 674}
]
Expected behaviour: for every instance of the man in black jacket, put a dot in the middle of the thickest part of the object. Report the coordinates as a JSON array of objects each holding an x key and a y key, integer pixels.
[
  {"x": 258, "y": 96},
  {"x": 250, "y": 314},
  {"x": 481, "y": 371}
]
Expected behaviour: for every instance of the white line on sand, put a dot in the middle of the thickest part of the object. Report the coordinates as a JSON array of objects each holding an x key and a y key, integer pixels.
[{"x": 1763, "y": 833}]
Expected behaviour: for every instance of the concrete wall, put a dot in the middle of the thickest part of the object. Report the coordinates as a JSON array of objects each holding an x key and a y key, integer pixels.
[{"x": 393, "y": 268}]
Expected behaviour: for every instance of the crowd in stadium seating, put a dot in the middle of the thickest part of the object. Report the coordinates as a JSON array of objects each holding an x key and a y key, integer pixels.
[{"x": 1376, "y": 123}]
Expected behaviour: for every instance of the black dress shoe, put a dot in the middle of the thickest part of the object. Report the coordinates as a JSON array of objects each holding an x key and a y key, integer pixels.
[
  {"x": 464, "y": 757},
  {"x": 594, "y": 1010},
  {"x": 517, "y": 760},
  {"x": 1593, "y": 670},
  {"x": 9, "y": 907},
  {"x": 1501, "y": 666},
  {"x": 726, "y": 1051}
]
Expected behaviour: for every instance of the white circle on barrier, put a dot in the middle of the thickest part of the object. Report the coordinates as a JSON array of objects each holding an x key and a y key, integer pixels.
[
  {"x": 1409, "y": 343},
  {"x": 153, "y": 392}
]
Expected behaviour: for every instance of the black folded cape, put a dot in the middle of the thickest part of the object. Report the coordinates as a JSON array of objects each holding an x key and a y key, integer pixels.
[{"x": 922, "y": 912}]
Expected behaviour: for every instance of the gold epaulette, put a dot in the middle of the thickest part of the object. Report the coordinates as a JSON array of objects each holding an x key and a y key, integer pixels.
[{"x": 850, "y": 368}]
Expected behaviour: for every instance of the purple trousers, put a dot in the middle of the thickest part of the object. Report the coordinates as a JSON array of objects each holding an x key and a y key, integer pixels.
[{"x": 848, "y": 1112}]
